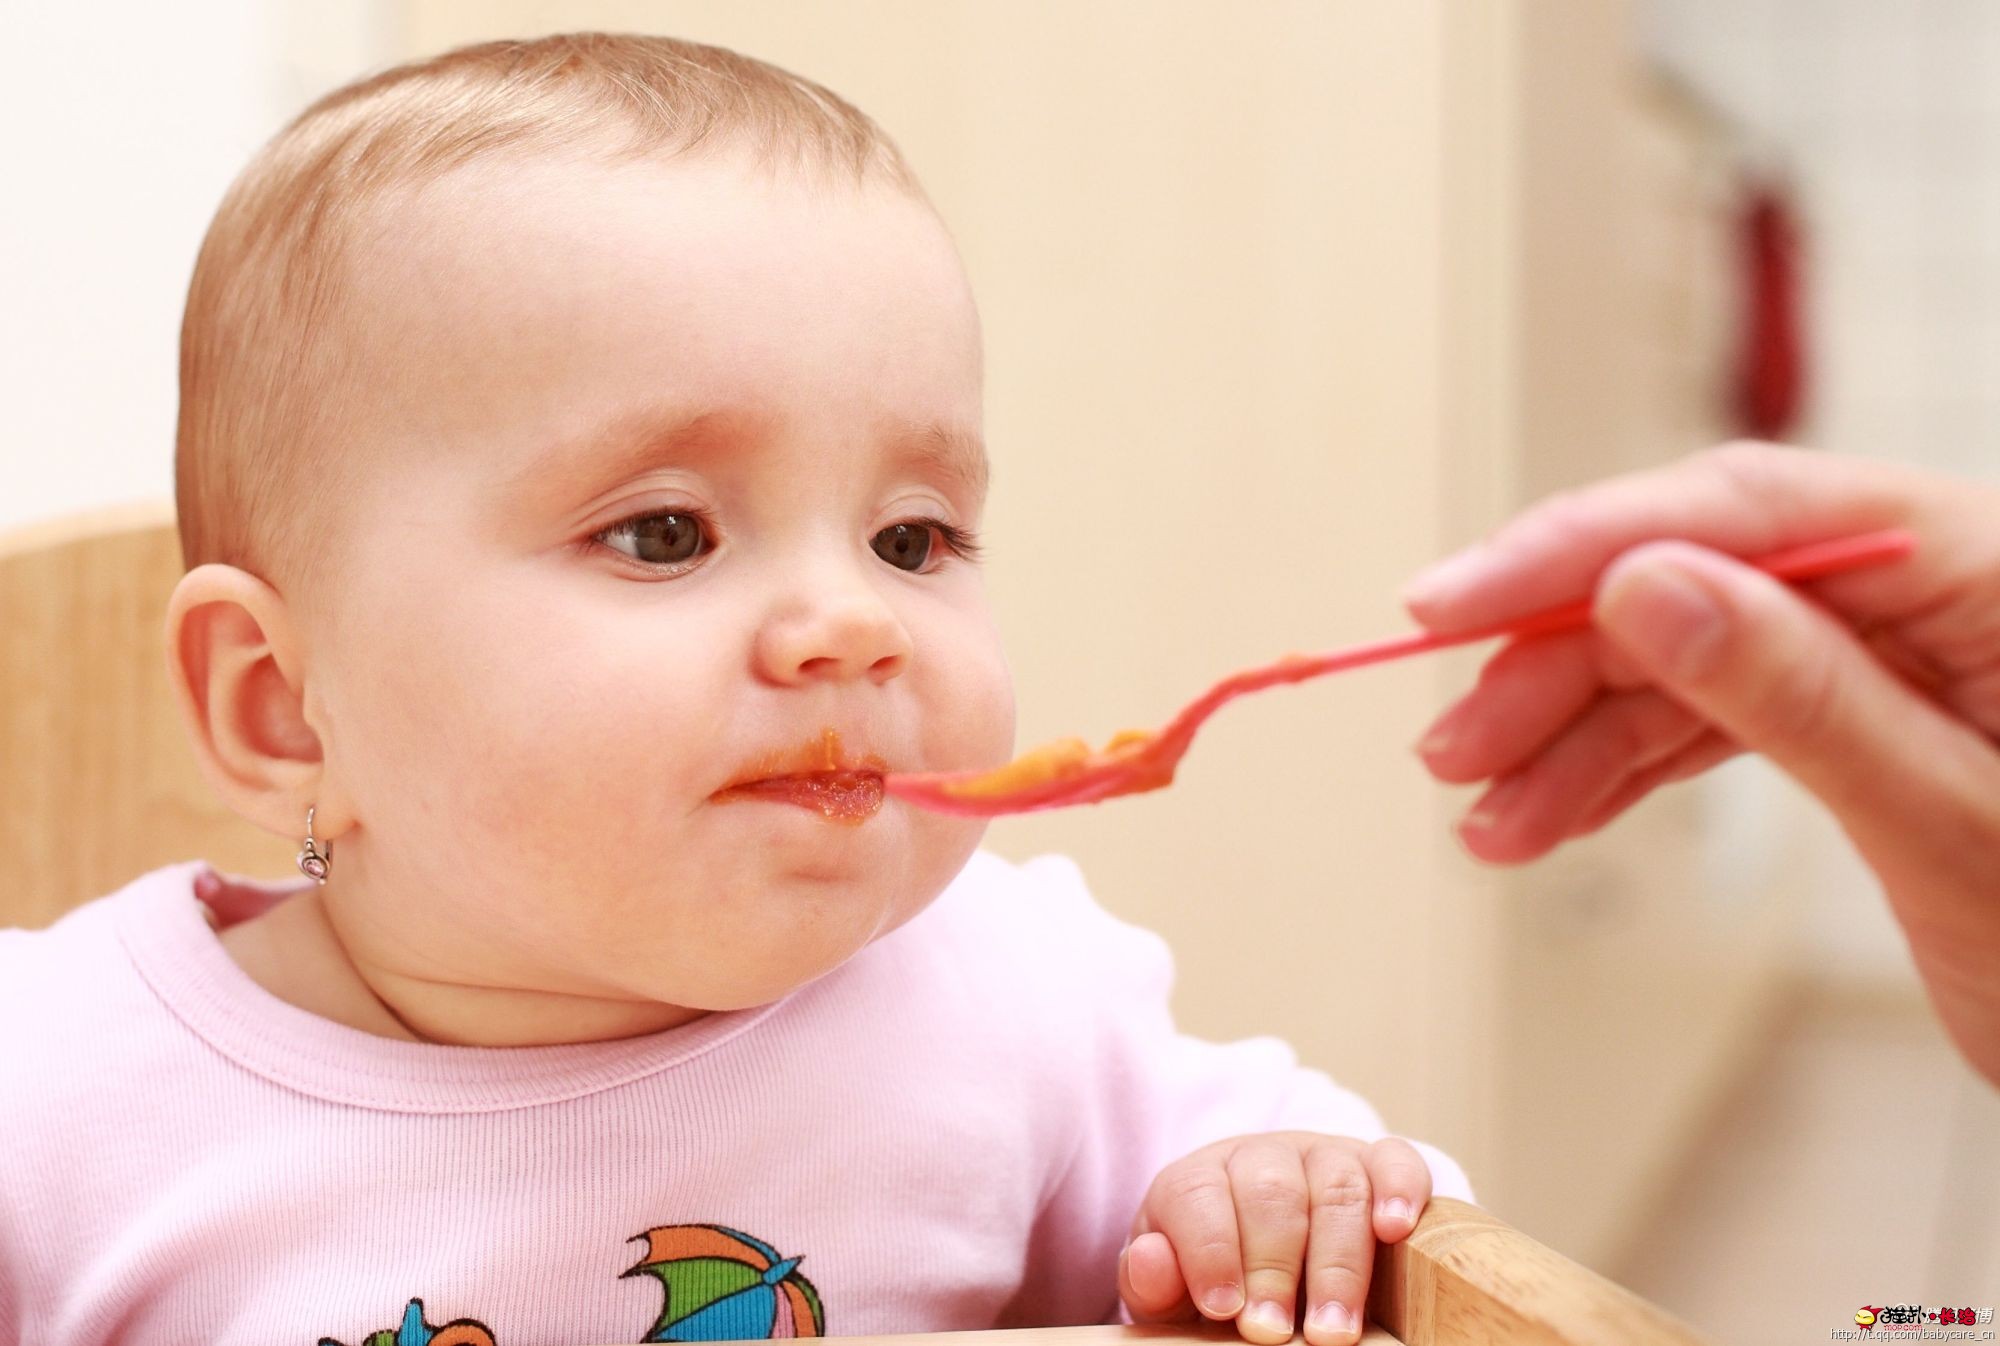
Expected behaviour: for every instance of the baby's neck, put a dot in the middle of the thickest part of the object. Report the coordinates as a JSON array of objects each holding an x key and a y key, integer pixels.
[{"x": 294, "y": 951}]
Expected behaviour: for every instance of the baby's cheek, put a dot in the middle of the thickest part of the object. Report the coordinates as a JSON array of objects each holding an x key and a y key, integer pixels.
[
  {"x": 574, "y": 821},
  {"x": 550, "y": 765},
  {"x": 966, "y": 691},
  {"x": 604, "y": 776},
  {"x": 967, "y": 723}
]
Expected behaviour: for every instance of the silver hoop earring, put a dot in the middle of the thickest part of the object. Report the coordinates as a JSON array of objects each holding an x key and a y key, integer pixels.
[{"x": 312, "y": 862}]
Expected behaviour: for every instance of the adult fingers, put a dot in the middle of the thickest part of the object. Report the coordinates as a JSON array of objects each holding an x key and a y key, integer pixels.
[
  {"x": 1742, "y": 499},
  {"x": 1530, "y": 811},
  {"x": 1525, "y": 695},
  {"x": 1778, "y": 675},
  {"x": 1710, "y": 750}
]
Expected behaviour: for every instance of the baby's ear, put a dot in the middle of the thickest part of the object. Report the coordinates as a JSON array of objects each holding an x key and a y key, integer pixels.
[{"x": 234, "y": 662}]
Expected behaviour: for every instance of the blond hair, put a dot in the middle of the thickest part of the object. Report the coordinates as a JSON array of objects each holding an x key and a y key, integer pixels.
[{"x": 263, "y": 372}]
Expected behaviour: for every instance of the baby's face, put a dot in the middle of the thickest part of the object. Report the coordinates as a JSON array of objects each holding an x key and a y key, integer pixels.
[{"x": 653, "y": 507}]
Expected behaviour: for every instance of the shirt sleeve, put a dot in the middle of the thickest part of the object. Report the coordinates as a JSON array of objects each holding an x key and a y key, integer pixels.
[
  {"x": 1151, "y": 1094},
  {"x": 11, "y": 1275},
  {"x": 14, "y": 1271}
]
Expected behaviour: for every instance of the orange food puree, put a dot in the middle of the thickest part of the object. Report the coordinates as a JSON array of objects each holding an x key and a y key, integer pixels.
[
  {"x": 1061, "y": 760},
  {"x": 844, "y": 796},
  {"x": 812, "y": 776}
]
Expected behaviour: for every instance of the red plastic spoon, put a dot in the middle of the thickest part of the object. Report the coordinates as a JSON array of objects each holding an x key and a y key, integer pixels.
[{"x": 1068, "y": 772}]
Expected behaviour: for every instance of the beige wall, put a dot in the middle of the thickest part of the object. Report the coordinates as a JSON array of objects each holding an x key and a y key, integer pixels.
[{"x": 115, "y": 162}]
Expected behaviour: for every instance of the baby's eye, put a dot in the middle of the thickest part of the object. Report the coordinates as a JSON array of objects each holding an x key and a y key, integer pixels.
[
  {"x": 907, "y": 546},
  {"x": 904, "y": 545},
  {"x": 658, "y": 539}
]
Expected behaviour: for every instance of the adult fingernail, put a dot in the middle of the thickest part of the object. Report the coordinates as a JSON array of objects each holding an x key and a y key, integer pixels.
[
  {"x": 1332, "y": 1319},
  {"x": 1271, "y": 1319},
  {"x": 1445, "y": 579},
  {"x": 1664, "y": 616},
  {"x": 1397, "y": 1209},
  {"x": 1223, "y": 1301},
  {"x": 1438, "y": 739},
  {"x": 1493, "y": 808}
]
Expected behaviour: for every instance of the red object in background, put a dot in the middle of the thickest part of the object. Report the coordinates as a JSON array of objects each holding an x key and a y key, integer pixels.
[{"x": 1770, "y": 374}]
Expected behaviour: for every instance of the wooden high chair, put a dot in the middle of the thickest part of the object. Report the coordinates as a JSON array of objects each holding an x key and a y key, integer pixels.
[{"x": 98, "y": 784}]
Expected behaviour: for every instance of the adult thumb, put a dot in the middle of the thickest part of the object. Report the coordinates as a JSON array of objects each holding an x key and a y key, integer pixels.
[{"x": 1781, "y": 676}]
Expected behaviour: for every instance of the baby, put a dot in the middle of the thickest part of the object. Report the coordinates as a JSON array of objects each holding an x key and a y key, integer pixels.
[{"x": 580, "y": 477}]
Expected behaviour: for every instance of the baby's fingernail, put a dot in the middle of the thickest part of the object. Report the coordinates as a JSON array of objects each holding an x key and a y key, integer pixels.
[
  {"x": 1223, "y": 1301},
  {"x": 1397, "y": 1209},
  {"x": 1270, "y": 1319},
  {"x": 1332, "y": 1319}
]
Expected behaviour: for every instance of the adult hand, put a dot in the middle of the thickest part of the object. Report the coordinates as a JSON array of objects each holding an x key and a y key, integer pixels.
[{"x": 1878, "y": 690}]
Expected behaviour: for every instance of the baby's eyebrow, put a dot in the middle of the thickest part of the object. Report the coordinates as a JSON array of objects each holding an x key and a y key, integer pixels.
[
  {"x": 616, "y": 448},
  {"x": 953, "y": 451},
  {"x": 631, "y": 443}
]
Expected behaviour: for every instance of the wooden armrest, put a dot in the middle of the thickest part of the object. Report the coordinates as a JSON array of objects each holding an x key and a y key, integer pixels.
[
  {"x": 1207, "y": 1334},
  {"x": 1463, "y": 1278}
]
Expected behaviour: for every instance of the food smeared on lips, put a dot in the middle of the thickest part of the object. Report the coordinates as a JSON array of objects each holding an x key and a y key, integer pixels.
[{"x": 817, "y": 776}]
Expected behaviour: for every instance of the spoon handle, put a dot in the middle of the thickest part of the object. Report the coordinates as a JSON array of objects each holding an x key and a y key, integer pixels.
[{"x": 1812, "y": 561}]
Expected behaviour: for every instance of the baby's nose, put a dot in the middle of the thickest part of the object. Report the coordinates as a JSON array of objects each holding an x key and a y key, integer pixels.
[{"x": 833, "y": 633}]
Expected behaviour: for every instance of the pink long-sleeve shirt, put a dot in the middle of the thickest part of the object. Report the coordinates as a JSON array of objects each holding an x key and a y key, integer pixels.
[{"x": 952, "y": 1130}]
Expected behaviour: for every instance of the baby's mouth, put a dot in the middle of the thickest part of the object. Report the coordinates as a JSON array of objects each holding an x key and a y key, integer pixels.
[
  {"x": 816, "y": 776},
  {"x": 843, "y": 796}
]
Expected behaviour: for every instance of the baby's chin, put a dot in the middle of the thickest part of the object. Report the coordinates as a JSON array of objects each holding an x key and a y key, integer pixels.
[
  {"x": 784, "y": 920},
  {"x": 748, "y": 988},
  {"x": 791, "y": 947}
]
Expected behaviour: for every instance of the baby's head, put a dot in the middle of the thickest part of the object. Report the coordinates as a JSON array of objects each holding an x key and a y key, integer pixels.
[{"x": 570, "y": 430}]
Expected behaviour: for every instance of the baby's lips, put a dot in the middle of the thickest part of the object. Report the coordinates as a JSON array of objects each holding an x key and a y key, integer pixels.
[
  {"x": 822, "y": 755},
  {"x": 844, "y": 796}
]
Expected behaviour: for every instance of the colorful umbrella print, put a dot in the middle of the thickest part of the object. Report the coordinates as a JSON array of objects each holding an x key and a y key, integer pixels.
[
  {"x": 723, "y": 1285},
  {"x": 416, "y": 1332}
]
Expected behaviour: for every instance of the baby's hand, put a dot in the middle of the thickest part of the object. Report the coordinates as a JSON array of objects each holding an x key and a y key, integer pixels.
[{"x": 1233, "y": 1228}]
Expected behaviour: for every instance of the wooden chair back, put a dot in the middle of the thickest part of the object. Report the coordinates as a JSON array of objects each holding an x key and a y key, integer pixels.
[{"x": 97, "y": 781}]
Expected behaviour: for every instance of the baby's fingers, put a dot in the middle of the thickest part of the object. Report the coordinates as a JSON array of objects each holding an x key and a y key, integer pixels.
[
  {"x": 1400, "y": 1181},
  {"x": 1190, "y": 1203},
  {"x": 1341, "y": 1249},
  {"x": 1149, "y": 1281},
  {"x": 1269, "y": 1183}
]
